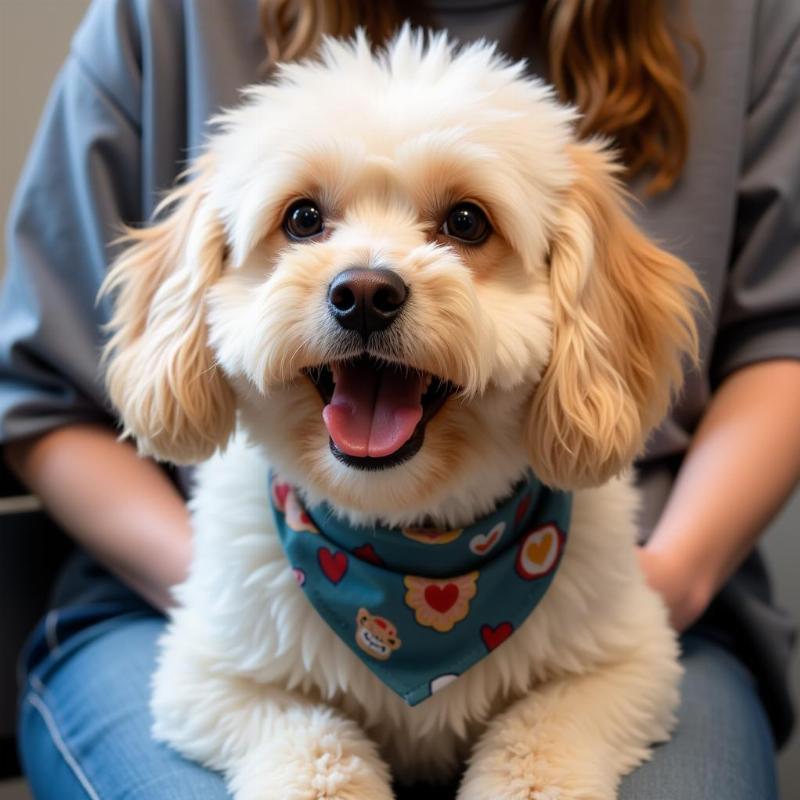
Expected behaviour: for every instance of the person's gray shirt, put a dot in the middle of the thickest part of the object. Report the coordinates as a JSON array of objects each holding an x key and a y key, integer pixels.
[{"x": 130, "y": 108}]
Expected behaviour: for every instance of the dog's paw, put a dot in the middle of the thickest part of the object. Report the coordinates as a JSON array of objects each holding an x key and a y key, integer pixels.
[
  {"x": 520, "y": 775},
  {"x": 480, "y": 790},
  {"x": 523, "y": 790},
  {"x": 326, "y": 758},
  {"x": 327, "y": 776}
]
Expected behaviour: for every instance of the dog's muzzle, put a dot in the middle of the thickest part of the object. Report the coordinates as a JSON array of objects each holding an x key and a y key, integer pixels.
[{"x": 375, "y": 409}]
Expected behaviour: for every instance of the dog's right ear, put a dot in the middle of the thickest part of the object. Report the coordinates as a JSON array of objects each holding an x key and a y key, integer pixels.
[{"x": 161, "y": 374}]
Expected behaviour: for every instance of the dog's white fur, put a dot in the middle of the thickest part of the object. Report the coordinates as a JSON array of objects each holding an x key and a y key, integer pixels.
[{"x": 564, "y": 332}]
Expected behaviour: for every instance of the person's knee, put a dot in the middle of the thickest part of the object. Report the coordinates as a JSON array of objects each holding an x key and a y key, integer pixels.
[
  {"x": 84, "y": 726},
  {"x": 722, "y": 746}
]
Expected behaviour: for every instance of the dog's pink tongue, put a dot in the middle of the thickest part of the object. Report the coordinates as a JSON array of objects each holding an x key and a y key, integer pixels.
[{"x": 373, "y": 412}]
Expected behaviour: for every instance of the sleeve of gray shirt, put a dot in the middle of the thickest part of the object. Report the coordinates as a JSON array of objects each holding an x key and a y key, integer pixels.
[
  {"x": 80, "y": 183},
  {"x": 760, "y": 311}
]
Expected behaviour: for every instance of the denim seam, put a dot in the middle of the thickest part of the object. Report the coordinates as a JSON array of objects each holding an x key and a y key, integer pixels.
[{"x": 39, "y": 704}]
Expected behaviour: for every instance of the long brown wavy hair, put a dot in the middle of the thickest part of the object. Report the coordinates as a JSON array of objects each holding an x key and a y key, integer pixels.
[{"x": 616, "y": 60}]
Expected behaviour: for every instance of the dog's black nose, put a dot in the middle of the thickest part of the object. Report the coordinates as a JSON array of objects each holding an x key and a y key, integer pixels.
[{"x": 366, "y": 300}]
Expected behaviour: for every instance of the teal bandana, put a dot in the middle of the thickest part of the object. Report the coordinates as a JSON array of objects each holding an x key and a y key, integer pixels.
[{"x": 420, "y": 606}]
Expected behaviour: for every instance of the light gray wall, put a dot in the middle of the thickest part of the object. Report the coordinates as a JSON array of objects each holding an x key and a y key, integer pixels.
[{"x": 34, "y": 36}]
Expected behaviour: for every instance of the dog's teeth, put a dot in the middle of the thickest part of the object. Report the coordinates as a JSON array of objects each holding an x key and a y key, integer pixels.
[{"x": 428, "y": 380}]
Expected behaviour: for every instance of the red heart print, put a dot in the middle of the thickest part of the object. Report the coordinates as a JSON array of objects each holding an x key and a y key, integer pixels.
[
  {"x": 280, "y": 490},
  {"x": 522, "y": 509},
  {"x": 333, "y": 565},
  {"x": 441, "y": 598},
  {"x": 494, "y": 637},
  {"x": 367, "y": 553}
]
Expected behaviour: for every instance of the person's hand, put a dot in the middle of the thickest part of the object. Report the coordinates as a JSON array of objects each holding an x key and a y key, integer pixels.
[{"x": 683, "y": 588}]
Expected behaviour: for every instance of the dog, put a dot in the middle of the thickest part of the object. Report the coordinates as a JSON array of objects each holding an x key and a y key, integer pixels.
[{"x": 397, "y": 287}]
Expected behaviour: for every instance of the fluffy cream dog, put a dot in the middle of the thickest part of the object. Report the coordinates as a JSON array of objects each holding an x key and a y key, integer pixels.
[{"x": 533, "y": 326}]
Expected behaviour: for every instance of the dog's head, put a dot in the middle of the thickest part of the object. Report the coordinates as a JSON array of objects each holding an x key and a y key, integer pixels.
[{"x": 409, "y": 280}]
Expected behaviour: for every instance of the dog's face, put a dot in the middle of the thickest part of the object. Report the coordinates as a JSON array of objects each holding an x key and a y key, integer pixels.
[{"x": 409, "y": 280}]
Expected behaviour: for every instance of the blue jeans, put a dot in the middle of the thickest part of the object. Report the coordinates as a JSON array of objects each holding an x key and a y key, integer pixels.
[{"x": 84, "y": 725}]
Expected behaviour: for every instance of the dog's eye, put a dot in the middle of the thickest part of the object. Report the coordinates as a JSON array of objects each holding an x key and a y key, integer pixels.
[
  {"x": 303, "y": 220},
  {"x": 466, "y": 222}
]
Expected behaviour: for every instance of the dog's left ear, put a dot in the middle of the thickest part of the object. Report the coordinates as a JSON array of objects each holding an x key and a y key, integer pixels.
[
  {"x": 161, "y": 374},
  {"x": 622, "y": 320}
]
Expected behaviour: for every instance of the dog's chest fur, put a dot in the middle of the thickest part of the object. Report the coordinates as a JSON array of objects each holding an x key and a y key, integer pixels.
[{"x": 243, "y": 610}]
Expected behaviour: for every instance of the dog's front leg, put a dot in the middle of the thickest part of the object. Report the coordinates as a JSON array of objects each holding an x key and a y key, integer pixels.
[
  {"x": 574, "y": 738},
  {"x": 270, "y": 743}
]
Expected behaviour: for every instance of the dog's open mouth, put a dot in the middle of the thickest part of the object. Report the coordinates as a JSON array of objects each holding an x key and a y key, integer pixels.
[{"x": 376, "y": 412}]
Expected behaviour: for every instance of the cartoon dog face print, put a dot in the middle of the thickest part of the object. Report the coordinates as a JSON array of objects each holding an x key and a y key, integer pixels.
[{"x": 376, "y": 636}]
